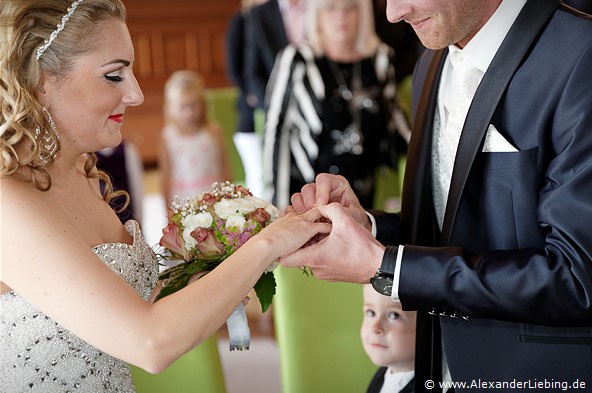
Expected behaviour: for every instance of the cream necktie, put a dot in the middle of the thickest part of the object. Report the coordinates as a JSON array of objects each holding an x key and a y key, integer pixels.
[{"x": 464, "y": 82}]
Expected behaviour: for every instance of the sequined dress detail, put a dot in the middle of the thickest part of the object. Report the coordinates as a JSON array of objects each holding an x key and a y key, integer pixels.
[{"x": 39, "y": 355}]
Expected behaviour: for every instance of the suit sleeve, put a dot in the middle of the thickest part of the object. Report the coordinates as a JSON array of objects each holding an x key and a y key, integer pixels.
[
  {"x": 388, "y": 227},
  {"x": 235, "y": 43},
  {"x": 254, "y": 72}
]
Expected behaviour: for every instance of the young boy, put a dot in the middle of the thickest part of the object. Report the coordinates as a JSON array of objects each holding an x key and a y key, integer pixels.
[{"x": 388, "y": 336}]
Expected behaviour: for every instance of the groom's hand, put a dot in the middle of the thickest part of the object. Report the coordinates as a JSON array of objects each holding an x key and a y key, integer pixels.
[
  {"x": 348, "y": 254},
  {"x": 329, "y": 188}
]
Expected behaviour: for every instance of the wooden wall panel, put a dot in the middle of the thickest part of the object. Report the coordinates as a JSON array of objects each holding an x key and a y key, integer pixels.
[{"x": 168, "y": 36}]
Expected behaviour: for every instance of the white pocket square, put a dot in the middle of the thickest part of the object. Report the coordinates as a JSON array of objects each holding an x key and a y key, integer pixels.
[{"x": 495, "y": 142}]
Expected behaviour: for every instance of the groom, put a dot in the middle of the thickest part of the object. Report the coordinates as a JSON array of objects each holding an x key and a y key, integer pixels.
[{"x": 493, "y": 245}]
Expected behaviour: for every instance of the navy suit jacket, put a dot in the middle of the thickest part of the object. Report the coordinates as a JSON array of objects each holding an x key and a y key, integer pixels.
[
  {"x": 266, "y": 36},
  {"x": 235, "y": 66},
  {"x": 509, "y": 277}
]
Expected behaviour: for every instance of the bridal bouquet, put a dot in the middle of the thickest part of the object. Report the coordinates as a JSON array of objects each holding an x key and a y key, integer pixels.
[{"x": 204, "y": 231}]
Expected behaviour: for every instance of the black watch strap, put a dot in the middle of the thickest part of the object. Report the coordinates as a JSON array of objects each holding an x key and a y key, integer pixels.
[{"x": 389, "y": 260}]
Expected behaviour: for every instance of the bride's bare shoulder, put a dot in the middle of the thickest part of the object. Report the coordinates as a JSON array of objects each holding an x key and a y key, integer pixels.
[
  {"x": 23, "y": 198},
  {"x": 12, "y": 188}
]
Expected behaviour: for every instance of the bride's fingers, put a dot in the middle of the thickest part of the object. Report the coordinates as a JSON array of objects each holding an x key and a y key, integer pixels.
[
  {"x": 309, "y": 195},
  {"x": 297, "y": 203},
  {"x": 296, "y": 259}
]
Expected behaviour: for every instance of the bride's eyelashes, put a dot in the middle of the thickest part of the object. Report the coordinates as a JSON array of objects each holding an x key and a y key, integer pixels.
[{"x": 116, "y": 78}]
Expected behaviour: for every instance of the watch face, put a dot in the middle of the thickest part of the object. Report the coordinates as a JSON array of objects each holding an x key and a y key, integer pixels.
[{"x": 383, "y": 285}]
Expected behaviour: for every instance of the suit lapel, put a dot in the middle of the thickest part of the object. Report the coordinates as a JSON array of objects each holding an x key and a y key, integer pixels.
[
  {"x": 417, "y": 196},
  {"x": 505, "y": 63}
]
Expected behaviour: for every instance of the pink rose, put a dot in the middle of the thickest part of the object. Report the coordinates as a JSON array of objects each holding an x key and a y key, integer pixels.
[
  {"x": 260, "y": 215},
  {"x": 172, "y": 239},
  {"x": 207, "y": 244},
  {"x": 208, "y": 198},
  {"x": 243, "y": 190}
]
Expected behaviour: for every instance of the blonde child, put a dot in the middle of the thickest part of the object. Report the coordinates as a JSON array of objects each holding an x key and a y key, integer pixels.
[
  {"x": 192, "y": 153},
  {"x": 388, "y": 337}
]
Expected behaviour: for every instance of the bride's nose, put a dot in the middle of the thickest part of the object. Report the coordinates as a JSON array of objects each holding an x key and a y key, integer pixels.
[{"x": 134, "y": 95}]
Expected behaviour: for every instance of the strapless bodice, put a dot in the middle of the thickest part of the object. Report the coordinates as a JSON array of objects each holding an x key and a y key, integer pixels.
[{"x": 38, "y": 355}]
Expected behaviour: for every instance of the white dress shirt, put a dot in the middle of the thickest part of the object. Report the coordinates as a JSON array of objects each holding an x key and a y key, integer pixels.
[{"x": 395, "y": 382}]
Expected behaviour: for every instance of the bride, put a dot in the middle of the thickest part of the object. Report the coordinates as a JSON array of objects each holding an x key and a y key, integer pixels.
[{"x": 75, "y": 283}]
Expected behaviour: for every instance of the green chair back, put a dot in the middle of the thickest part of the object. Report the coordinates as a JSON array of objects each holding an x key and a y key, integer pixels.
[
  {"x": 198, "y": 371},
  {"x": 317, "y": 327},
  {"x": 222, "y": 109}
]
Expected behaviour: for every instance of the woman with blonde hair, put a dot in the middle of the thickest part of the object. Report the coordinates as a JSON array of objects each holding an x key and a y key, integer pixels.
[
  {"x": 332, "y": 104},
  {"x": 74, "y": 306}
]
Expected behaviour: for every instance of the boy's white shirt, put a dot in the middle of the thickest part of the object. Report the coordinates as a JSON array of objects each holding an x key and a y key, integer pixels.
[{"x": 395, "y": 382}]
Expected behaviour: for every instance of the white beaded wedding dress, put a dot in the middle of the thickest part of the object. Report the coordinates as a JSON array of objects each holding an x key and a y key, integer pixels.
[{"x": 38, "y": 355}]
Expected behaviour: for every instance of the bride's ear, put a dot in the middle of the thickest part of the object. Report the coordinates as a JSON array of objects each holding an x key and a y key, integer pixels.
[{"x": 42, "y": 91}]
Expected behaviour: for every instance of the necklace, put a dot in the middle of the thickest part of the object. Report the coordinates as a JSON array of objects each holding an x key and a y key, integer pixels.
[
  {"x": 350, "y": 140},
  {"x": 343, "y": 89}
]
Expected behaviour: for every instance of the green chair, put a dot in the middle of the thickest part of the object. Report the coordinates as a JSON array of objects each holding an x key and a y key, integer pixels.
[
  {"x": 222, "y": 109},
  {"x": 404, "y": 96},
  {"x": 198, "y": 371},
  {"x": 317, "y": 327},
  {"x": 389, "y": 187}
]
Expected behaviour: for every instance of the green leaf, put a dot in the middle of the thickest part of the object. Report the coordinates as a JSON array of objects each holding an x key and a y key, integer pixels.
[
  {"x": 265, "y": 289},
  {"x": 179, "y": 283},
  {"x": 177, "y": 277}
]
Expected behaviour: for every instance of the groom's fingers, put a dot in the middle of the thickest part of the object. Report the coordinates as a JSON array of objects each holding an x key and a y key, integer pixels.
[
  {"x": 334, "y": 212},
  {"x": 324, "y": 186},
  {"x": 330, "y": 188}
]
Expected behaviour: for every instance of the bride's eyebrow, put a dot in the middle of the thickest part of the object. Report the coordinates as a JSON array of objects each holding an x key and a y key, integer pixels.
[{"x": 126, "y": 63}]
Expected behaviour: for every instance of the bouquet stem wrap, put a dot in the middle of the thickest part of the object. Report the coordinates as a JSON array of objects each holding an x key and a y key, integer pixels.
[{"x": 239, "y": 335}]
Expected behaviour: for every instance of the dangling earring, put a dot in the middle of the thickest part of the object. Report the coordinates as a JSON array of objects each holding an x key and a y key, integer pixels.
[{"x": 48, "y": 140}]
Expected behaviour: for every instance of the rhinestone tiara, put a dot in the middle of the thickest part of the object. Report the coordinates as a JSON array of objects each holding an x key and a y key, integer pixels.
[{"x": 59, "y": 28}]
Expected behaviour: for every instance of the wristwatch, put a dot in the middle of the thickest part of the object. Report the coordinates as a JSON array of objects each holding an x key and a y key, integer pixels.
[{"x": 382, "y": 281}]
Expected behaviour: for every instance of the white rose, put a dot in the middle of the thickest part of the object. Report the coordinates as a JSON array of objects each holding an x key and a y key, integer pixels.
[
  {"x": 192, "y": 222},
  {"x": 273, "y": 211},
  {"x": 256, "y": 202},
  {"x": 245, "y": 206},
  {"x": 261, "y": 203},
  {"x": 236, "y": 220},
  {"x": 198, "y": 220},
  {"x": 226, "y": 207},
  {"x": 190, "y": 242}
]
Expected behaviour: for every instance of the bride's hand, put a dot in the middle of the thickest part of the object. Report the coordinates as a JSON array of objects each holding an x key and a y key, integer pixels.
[{"x": 293, "y": 230}]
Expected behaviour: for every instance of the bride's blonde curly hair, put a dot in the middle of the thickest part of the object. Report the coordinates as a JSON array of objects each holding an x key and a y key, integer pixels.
[{"x": 24, "y": 26}]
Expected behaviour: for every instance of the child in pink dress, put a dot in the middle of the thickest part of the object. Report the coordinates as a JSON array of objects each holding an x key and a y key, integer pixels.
[{"x": 192, "y": 153}]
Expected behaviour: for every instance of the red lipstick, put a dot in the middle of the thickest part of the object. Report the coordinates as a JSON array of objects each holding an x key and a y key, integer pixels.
[{"x": 117, "y": 118}]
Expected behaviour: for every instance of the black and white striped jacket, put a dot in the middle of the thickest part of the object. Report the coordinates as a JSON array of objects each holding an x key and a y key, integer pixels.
[{"x": 294, "y": 96}]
